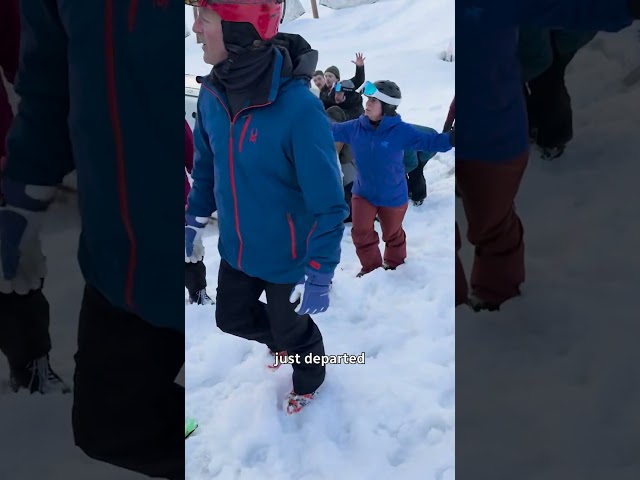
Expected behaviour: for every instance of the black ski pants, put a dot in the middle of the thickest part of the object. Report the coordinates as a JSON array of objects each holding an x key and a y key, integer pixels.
[
  {"x": 127, "y": 409},
  {"x": 549, "y": 103},
  {"x": 275, "y": 324},
  {"x": 24, "y": 327},
  {"x": 195, "y": 277},
  {"x": 416, "y": 183}
]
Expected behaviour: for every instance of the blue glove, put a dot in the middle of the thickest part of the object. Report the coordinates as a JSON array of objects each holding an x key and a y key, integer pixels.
[
  {"x": 22, "y": 263},
  {"x": 313, "y": 292},
  {"x": 193, "y": 230}
]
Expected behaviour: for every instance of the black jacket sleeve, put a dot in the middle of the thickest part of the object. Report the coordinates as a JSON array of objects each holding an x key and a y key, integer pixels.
[{"x": 359, "y": 78}]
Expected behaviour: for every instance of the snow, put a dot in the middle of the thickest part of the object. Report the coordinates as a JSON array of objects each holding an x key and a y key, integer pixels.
[
  {"x": 392, "y": 417},
  {"x": 551, "y": 375}
]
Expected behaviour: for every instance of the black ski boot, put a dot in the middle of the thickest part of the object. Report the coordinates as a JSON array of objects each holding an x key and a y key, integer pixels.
[
  {"x": 551, "y": 153},
  {"x": 478, "y": 305},
  {"x": 201, "y": 298},
  {"x": 37, "y": 376}
]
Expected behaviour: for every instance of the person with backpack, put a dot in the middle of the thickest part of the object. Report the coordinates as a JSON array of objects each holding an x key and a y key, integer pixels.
[
  {"x": 378, "y": 140},
  {"x": 276, "y": 185}
]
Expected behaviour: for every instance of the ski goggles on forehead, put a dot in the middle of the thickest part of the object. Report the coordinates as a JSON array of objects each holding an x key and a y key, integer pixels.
[
  {"x": 341, "y": 88},
  {"x": 370, "y": 90}
]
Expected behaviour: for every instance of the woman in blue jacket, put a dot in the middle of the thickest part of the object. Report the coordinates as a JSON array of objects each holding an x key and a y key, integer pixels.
[{"x": 378, "y": 140}]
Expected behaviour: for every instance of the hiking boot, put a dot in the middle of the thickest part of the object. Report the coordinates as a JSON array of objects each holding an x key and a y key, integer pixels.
[
  {"x": 478, "y": 304},
  {"x": 37, "y": 376},
  {"x": 201, "y": 298}
]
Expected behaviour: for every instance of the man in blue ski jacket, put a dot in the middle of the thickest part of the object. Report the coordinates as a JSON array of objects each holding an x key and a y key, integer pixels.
[
  {"x": 87, "y": 103},
  {"x": 266, "y": 162}
]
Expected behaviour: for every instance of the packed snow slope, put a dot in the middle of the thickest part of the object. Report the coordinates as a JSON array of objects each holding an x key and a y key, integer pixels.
[
  {"x": 548, "y": 378},
  {"x": 392, "y": 417}
]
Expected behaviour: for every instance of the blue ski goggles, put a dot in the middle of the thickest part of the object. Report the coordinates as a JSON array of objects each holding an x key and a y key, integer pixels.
[
  {"x": 370, "y": 90},
  {"x": 345, "y": 88}
]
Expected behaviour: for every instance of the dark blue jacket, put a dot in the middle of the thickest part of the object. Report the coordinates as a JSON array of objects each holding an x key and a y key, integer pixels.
[
  {"x": 491, "y": 119},
  {"x": 414, "y": 158},
  {"x": 273, "y": 176},
  {"x": 536, "y": 48},
  {"x": 87, "y": 102},
  {"x": 379, "y": 156}
]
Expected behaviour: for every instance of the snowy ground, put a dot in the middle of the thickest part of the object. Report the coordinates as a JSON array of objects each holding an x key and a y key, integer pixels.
[
  {"x": 548, "y": 377},
  {"x": 394, "y": 416}
]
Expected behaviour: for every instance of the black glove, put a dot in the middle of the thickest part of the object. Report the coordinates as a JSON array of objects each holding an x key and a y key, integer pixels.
[{"x": 447, "y": 126}]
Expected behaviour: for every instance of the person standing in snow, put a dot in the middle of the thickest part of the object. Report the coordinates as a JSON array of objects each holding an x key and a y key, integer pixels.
[
  {"x": 271, "y": 141},
  {"x": 448, "y": 125},
  {"x": 24, "y": 323},
  {"x": 328, "y": 82},
  {"x": 81, "y": 108},
  {"x": 332, "y": 77},
  {"x": 493, "y": 155},
  {"x": 415, "y": 163},
  {"x": 345, "y": 156},
  {"x": 195, "y": 273},
  {"x": 346, "y": 96},
  {"x": 378, "y": 139},
  {"x": 321, "y": 84},
  {"x": 544, "y": 56},
  {"x": 451, "y": 117},
  {"x": 319, "y": 80}
]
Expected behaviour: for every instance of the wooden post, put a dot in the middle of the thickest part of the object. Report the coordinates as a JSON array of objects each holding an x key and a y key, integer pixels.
[{"x": 314, "y": 9}]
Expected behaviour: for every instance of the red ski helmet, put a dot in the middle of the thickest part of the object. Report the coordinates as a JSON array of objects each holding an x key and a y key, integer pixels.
[{"x": 264, "y": 15}]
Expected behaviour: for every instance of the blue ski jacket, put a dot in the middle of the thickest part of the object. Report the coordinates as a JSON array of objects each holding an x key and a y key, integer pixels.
[
  {"x": 273, "y": 176},
  {"x": 379, "y": 155},
  {"x": 87, "y": 103}
]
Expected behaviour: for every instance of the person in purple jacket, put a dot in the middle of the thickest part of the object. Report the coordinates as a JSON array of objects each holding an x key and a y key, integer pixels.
[
  {"x": 378, "y": 140},
  {"x": 491, "y": 111}
]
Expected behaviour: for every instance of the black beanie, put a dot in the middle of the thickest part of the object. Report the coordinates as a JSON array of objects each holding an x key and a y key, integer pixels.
[{"x": 333, "y": 70}]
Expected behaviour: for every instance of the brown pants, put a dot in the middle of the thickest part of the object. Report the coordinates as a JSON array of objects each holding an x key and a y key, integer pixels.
[
  {"x": 488, "y": 192},
  {"x": 366, "y": 240}
]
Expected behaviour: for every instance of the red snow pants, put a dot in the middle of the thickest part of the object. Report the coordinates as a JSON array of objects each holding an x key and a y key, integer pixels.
[
  {"x": 488, "y": 191},
  {"x": 366, "y": 240}
]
